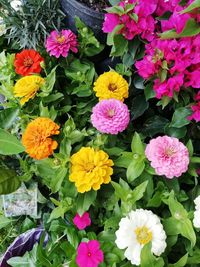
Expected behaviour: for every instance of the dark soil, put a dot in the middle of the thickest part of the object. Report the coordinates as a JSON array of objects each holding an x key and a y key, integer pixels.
[{"x": 97, "y": 5}]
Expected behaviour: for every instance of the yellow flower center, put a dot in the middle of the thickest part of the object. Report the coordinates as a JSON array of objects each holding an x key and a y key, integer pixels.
[
  {"x": 111, "y": 113},
  {"x": 143, "y": 235},
  {"x": 89, "y": 167},
  {"x": 60, "y": 39},
  {"x": 170, "y": 152},
  {"x": 112, "y": 87},
  {"x": 28, "y": 62}
]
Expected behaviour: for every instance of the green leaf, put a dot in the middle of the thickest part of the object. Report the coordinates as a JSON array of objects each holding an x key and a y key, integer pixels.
[
  {"x": 56, "y": 181},
  {"x": 49, "y": 82},
  {"x": 154, "y": 125},
  {"x": 194, "y": 259},
  {"x": 9, "y": 144},
  {"x": 138, "y": 192},
  {"x": 120, "y": 192},
  {"x": 187, "y": 230},
  {"x": 135, "y": 168},
  {"x": 124, "y": 160},
  {"x": 148, "y": 259},
  {"x": 179, "y": 118},
  {"x": 137, "y": 145},
  {"x": 84, "y": 201},
  {"x": 191, "y": 29},
  {"x": 139, "y": 106},
  {"x": 28, "y": 260},
  {"x": 175, "y": 132},
  {"x": 9, "y": 181},
  {"x": 4, "y": 221},
  {"x": 7, "y": 117},
  {"x": 190, "y": 147},
  {"x": 120, "y": 45},
  {"x": 115, "y": 10},
  {"x": 149, "y": 92},
  {"x": 176, "y": 208},
  {"x": 181, "y": 263},
  {"x": 195, "y": 160},
  {"x": 171, "y": 226},
  {"x": 193, "y": 5}
]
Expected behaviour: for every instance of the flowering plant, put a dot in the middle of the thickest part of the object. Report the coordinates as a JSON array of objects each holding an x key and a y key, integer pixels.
[{"x": 115, "y": 155}]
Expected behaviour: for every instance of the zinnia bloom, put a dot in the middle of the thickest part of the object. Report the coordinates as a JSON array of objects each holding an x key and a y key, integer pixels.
[
  {"x": 110, "y": 116},
  {"x": 60, "y": 43},
  {"x": 28, "y": 62},
  {"x": 89, "y": 254},
  {"x": 168, "y": 156},
  {"x": 196, "y": 220},
  {"x": 37, "y": 138},
  {"x": 111, "y": 85},
  {"x": 90, "y": 168},
  {"x": 83, "y": 221},
  {"x": 138, "y": 229},
  {"x": 27, "y": 87}
]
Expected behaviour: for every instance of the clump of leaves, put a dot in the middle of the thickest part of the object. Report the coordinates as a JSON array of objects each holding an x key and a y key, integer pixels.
[{"x": 28, "y": 25}]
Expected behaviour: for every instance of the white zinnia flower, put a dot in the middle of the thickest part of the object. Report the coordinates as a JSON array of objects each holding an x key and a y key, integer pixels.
[
  {"x": 137, "y": 229},
  {"x": 196, "y": 220}
]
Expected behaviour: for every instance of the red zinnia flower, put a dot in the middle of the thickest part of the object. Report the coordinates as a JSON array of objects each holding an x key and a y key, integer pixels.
[{"x": 28, "y": 62}]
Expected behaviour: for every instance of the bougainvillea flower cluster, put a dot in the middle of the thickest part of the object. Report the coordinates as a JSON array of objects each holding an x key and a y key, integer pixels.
[
  {"x": 173, "y": 64},
  {"x": 136, "y": 19},
  {"x": 168, "y": 156}
]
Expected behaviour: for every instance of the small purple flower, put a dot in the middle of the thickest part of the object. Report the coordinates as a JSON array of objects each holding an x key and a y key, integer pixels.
[
  {"x": 60, "y": 43},
  {"x": 110, "y": 116}
]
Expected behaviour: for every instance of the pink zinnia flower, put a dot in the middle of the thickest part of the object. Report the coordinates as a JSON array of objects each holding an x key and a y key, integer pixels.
[
  {"x": 110, "y": 116},
  {"x": 89, "y": 254},
  {"x": 83, "y": 221},
  {"x": 168, "y": 156},
  {"x": 60, "y": 43}
]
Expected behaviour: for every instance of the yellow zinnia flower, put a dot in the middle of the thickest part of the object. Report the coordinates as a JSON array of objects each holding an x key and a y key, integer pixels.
[
  {"x": 90, "y": 168},
  {"x": 27, "y": 87},
  {"x": 36, "y": 138},
  {"x": 111, "y": 85}
]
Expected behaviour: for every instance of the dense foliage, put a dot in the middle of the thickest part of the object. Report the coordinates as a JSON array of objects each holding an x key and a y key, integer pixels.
[{"x": 115, "y": 155}]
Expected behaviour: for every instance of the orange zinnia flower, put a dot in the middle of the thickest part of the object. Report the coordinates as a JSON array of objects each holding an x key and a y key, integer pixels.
[
  {"x": 28, "y": 62},
  {"x": 37, "y": 138}
]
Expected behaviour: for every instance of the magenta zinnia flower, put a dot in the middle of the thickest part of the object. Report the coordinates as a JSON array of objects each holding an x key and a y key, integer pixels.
[
  {"x": 83, "y": 221},
  {"x": 60, "y": 43},
  {"x": 89, "y": 254},
  {"x": 168, "y": 156},
  {"x": 110, "y": 116}
]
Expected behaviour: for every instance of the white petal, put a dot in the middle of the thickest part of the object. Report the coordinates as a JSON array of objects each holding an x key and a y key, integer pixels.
[{"x": 132, "y": 253}]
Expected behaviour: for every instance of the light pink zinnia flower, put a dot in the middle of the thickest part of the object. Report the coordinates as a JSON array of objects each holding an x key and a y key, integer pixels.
[
  {"x": 59, "y": 43},
  {"x": 110, "y": 116},
  {"x": 168, "y": 156},
  {"x": 89, "y": 254},
  {"x": 83, "y": 221}
]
